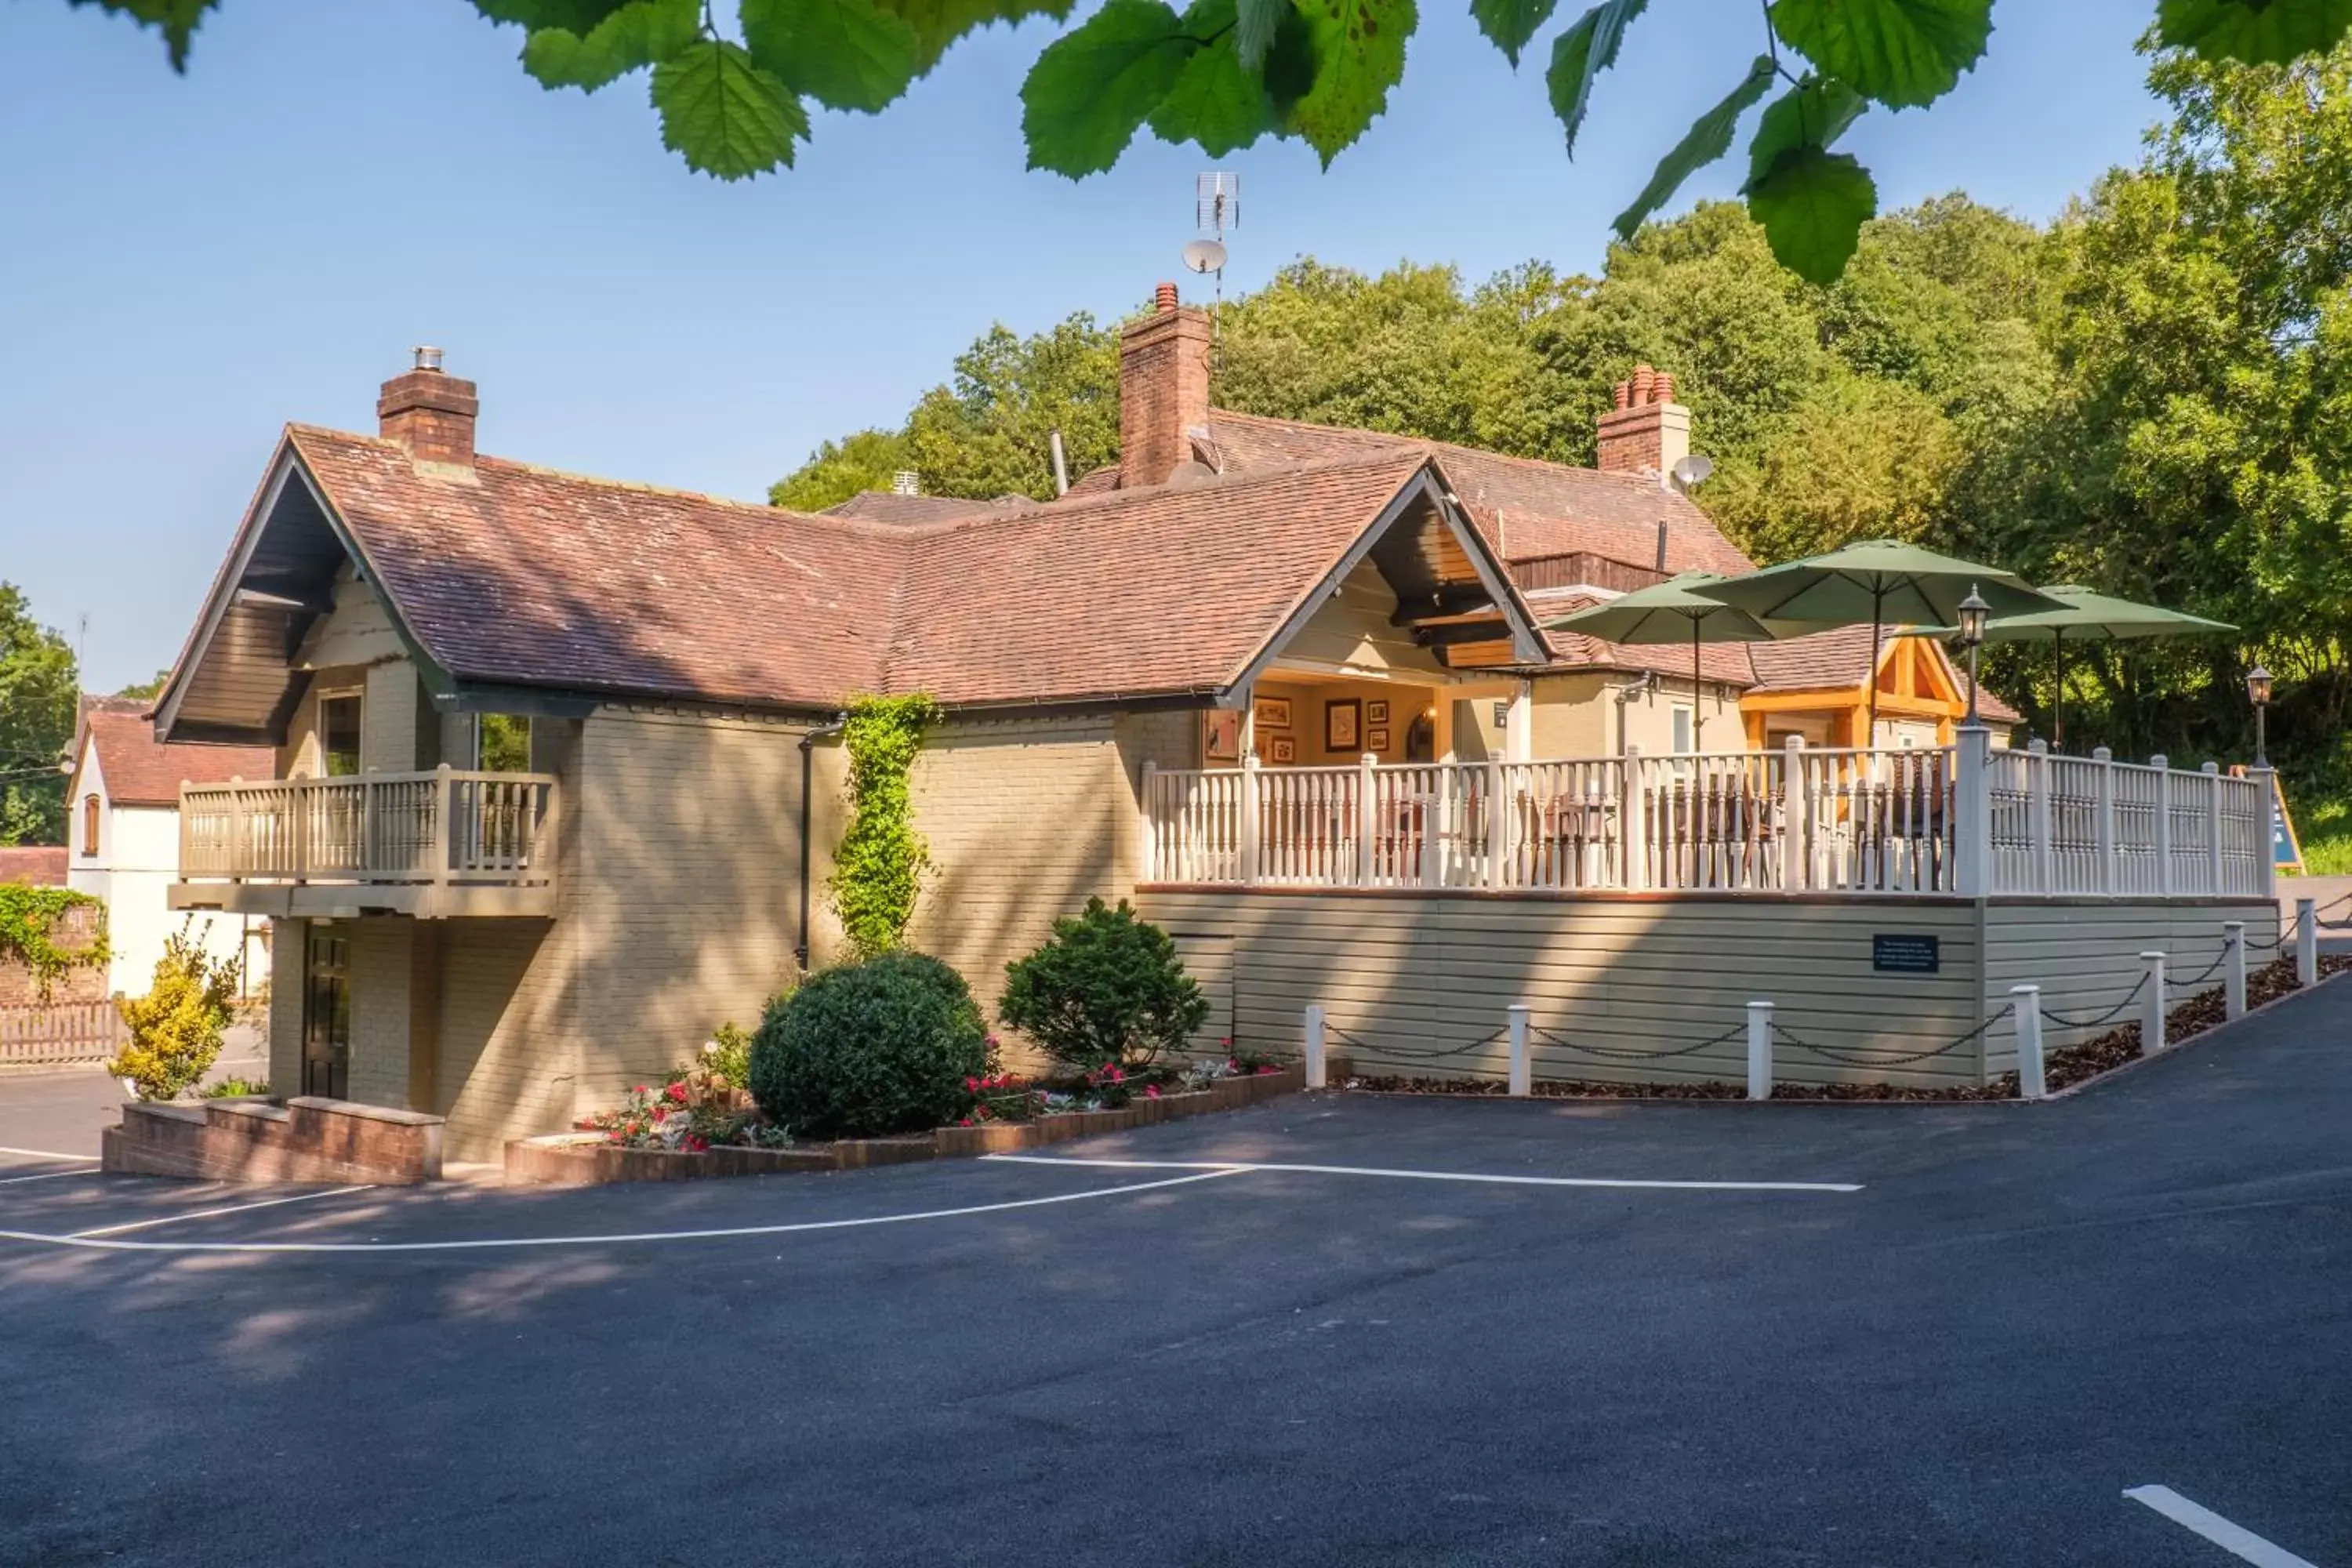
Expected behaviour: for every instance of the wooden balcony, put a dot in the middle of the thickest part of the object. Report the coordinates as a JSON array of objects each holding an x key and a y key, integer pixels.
[{"x": 435, "y": 846}]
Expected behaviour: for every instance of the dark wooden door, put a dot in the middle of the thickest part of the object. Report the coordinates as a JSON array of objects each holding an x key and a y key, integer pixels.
[{"x": 327, "y": 1012}]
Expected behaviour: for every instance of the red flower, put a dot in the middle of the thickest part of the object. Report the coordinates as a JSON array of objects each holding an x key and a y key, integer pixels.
[
  {"x": 963, "y": 1121},
  {"x": 695, "y": 1144},
  {"x": 639, "y": 1089},
  {"x": 971, "y": 1085},
  {"x": 678, "y": 1093},
  {"x": 1152, "y": 1091},
  {"x": 660, "y": 1114}
]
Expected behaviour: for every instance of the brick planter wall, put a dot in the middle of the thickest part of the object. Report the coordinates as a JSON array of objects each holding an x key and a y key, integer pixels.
[{"x": 303, "y": 1140}]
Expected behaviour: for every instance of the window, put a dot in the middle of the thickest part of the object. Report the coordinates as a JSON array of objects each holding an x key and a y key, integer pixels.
[
  {"x": 503, "y": 742},
  {"x": 89, "y": 824},
  {"x": 338, "y": 734},
  {"x": 1685, "y": 729}
]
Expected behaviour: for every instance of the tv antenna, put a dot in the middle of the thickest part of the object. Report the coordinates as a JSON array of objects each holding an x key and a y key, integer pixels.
[{"x": 1216, "y": 207}]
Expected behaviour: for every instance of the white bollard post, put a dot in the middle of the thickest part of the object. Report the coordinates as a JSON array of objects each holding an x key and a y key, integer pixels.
[
  {"x": 1315, "y": 1071},
  {"x": 2306, "y": 941},
  {"x": 1523, "y": 1082},
  {"x": 2151, "y": 1023},
  {"x": 2233, "y": 970},
  {"x": 1760, "y": 1051},
  {"x": 2030, "y": 1081}
]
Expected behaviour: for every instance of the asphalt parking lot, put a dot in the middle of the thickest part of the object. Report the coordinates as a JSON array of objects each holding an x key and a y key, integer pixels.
[{"x": 1864, "y": 1335}]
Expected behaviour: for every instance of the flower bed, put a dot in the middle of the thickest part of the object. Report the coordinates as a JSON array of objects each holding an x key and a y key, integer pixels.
[{"x": 1010, "y": 1114}]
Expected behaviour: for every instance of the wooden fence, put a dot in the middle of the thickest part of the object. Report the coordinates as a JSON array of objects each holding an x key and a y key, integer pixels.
[{"x": 62, "y": 1035}]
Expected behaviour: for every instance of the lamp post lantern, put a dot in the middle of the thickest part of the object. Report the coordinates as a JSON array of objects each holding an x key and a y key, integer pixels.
[
  {"x": 2258, "y": 692},
  {"x": 1973, "y": 611}
]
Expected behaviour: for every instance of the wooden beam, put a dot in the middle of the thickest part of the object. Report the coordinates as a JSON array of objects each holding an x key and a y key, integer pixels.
[
  {"x": 1456, "y": 599},
  {"x": 1452, "y": 634}
]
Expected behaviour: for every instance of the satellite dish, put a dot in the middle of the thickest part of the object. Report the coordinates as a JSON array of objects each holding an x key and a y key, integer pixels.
[
  {"x": 1205, "y": 256},
  {"x": 1692, "y": 470}
]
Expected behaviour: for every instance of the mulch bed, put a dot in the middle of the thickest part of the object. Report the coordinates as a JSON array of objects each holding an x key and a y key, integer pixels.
[{"x": 2061, "y": 1069}]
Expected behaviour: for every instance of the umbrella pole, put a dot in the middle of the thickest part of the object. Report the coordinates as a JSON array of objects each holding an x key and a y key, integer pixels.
[
  {"x": 1694, "y": 745},
  {"x": 2058, "y": 697},
  {"x": 1877, "y": 608}
]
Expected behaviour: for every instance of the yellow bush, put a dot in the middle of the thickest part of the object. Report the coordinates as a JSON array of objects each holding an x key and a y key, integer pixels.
[{"x": 176, "y": 1028}]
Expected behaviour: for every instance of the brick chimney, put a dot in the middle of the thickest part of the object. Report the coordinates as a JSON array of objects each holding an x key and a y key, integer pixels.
[
  {"x": 430, "y": 414},
  {"x": 1647, "y": 431},
  {"x": 1163, "y": 389}
]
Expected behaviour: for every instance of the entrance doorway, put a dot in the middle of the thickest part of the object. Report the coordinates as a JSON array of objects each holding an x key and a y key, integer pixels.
[{"x": 327, "y": 1012}]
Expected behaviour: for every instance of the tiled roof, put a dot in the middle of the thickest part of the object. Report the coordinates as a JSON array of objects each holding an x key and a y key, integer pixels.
[
  {"x": 1526, "y": 507},
  {"x": 529, "y": 576},
  {"x": 1839, "y": 659},
  {"x": 41, "y": 865},
  {"x": 139, "y": 770},
  {"x": 1725, "y": 662},
  {"x": 889, "y": 506}
]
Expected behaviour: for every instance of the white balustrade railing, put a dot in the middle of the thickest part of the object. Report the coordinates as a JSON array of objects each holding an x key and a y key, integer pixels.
[
  {"x": 1799, "y": 819},
  {"x": 445, "y": 826}
]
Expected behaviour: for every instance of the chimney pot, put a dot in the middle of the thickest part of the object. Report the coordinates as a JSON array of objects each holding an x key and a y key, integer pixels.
[
  {"x": 1165, "y": 296},
  {"x": 430, "y": 415},
  {"x": 1647, "y": 432}
]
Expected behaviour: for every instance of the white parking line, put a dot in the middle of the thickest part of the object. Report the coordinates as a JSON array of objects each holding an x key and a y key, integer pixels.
[
  {"x": 1435, "y": 1176},
  {"x": 45, "y": 1176},
  {"x": 95, "y": 1241},
  {"x": 47, "y": 1154},
  {"x": 2233, "y": 1538},
  {"x": 208, "y": 1214}
]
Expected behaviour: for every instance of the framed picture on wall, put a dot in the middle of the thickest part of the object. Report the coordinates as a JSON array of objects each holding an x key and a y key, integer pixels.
[
  {"x": 1376, "y": 712},
  {"x": 1221, "y": 741},
  {"x": 1272, "y": 712},
  {"x": 1283, "y": 749},
  {"x": 1343, "y": 724},
  {"x": 1377, "y": 739}
]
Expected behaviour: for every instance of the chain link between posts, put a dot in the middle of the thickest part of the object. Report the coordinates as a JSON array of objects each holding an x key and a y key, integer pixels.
[{"x": 1864, "y": 1057}]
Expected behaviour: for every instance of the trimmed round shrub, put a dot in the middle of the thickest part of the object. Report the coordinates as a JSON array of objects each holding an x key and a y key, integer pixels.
[
  {"x": 869, "y": 1050},
  {"x": 1108, "y": 987}
]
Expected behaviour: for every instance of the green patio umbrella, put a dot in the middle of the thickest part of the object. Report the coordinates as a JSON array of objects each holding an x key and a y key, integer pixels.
[
  {"x": 1880, "y": 580},
  {"x": 1669, "y": 612},
  {"x": 2088, "y": 616}
]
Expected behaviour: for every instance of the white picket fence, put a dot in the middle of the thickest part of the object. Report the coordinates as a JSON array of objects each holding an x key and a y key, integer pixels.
[{"x": 1798, "y": 820}]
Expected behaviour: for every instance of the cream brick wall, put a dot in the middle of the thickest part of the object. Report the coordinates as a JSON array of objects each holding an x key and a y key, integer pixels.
[
  {"x": 289, "y": 942},
  {"x": 382, "y": 1003},
  {"x": 688, "y": 886},
  {"x": 505, "y": 1053}
]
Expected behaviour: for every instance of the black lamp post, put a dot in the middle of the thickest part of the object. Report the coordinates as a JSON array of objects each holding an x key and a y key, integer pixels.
[
  {"x": 2258, "y": 692},
  {"x": 1973, "y": 611}
]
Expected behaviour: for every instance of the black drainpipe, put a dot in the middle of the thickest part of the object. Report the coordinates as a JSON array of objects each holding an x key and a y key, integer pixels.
[{"x": 808, "y": 788}]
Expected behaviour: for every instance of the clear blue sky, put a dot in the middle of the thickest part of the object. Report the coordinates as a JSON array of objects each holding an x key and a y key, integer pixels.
[{"x": 187, "y": 263}]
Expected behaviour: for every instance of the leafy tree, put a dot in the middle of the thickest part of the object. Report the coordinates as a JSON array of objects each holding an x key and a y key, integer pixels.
[
  {"x": 40, "y": 695},
  {"x": 1223, "y": 74},
  {"x": 861, "y": 460},
  {"x": 147, "y": 690}
]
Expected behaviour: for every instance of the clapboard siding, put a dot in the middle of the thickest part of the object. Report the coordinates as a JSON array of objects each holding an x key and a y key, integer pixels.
[
  {"x": 2086, "y": 957},
  {"x": 1411, "y": 975}
]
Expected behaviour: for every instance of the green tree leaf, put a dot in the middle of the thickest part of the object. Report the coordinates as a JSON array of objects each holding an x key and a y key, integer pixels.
[
  {"x": 1094, "y": 87},
  {"x": 940, "y": 23},
  {"x": 1813, "y": 205},
  {"x": 1815, "y": 115},
  {"x": 1255, "y": 24},
  {"x": 1216, "y": 101},
  {"x": 1708, "y": 138},
  {"x": 1581, "y": 54},
  {"x": 176, "y": 19},
  {"x": 640, "y": 34},
  {"x": 1359, "y": 51},
  {"x": 2259, "y": 32},
  {"x": 579, "y": 17},
  {"x": 1511, "y": 23},
  {"x": 724, "y": 114},
  {"x": 845, "y": 53},
  {"x": 1900, "y": 52}
]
